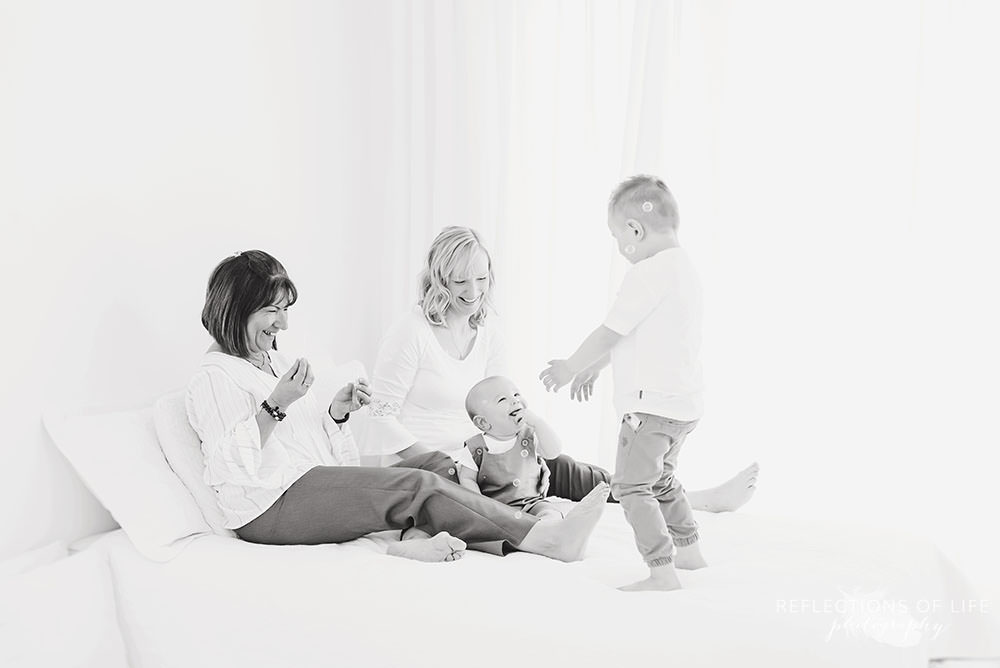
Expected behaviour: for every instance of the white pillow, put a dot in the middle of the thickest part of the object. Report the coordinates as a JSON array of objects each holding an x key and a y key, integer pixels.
[
  {"x": 182, "y": 447},
  {"x": 26, "y": 561},
  {"x": 119, "y": 459},
  {"x": 62, "y": 614}
]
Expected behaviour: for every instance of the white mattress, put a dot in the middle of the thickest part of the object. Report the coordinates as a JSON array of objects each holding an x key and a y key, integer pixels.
[{"x": 773, "y": 596}]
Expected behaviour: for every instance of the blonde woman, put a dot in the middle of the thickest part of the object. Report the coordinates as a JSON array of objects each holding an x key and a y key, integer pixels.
[{"x": 448, "y": 342}]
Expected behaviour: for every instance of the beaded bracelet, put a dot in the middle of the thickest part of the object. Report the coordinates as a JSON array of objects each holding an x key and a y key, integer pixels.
[{"x": 273, "y": 411}]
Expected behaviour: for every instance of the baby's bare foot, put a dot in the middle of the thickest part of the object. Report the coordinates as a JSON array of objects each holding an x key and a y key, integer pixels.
[
  {"x": 689, "y": 558},
  {"x": 566, "y": 539},
  {"x": 661, "y": 578},
  {"x": 728, "y": 496},
  {"x": 442, "y": 547}
]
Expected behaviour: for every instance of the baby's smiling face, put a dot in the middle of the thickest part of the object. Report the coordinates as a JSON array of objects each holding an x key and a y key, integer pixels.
[{"x": 496, "y": 407}]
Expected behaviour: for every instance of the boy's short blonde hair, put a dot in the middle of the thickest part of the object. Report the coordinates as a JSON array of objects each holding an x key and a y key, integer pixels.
[
  {"x": 452, "y": 252},
  {"x": 646, "y": 199}
]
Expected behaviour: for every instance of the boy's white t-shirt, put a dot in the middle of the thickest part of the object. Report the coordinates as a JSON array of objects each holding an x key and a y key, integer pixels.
[{"x": 658, "y": 311}]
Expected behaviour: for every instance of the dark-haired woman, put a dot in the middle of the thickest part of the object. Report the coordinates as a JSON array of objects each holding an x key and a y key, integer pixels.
[{"x": 284, "y": 466}]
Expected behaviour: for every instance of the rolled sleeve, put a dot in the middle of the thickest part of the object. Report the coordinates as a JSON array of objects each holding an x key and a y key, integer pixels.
[
  {"x": 225, "y": 418},
  {"x": 342, "y": 443}
]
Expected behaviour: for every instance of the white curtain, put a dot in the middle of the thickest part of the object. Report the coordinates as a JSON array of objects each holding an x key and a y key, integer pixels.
[
  {"x": 517, "y": 119},
  {"x": 834, "y": 165}
]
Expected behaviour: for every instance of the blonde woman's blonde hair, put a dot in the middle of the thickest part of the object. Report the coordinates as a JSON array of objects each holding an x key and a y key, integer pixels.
[{"x": 452, "y": 252}]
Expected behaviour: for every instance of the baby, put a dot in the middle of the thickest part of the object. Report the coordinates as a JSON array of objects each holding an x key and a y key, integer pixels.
[
  {"x": 507, "y": 457},
  {"x": 651, "y": 336}
]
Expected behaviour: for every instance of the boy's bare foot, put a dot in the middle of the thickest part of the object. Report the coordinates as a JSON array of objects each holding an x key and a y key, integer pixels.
[
  {"x": 689, "y": 558},
  {"x": 442, "y": 547},
  {"x": 728, "y": 496},
  {"x": 566, "y": 539},
  {"x": 661, "y": 578}
]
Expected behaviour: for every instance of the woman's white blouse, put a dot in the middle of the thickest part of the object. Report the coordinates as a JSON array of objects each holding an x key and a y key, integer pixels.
[
  {"x": 421, "y": 389},
  {"x": 223, "y": 399}
]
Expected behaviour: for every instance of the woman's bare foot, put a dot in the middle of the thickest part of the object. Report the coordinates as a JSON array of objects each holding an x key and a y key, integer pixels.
[
  {"x": 550, "y": 513},
  {"x": 566, "y": 539},
  {"x": 689, "y": 558},
  {"x": 442, "y": 547},
  {"x": 728, "y": 496},
  {"x": 661, "y": 578},
  {"x": 413, "y": 533}
]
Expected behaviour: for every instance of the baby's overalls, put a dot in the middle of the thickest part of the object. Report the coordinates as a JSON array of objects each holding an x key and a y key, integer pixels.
[{"x": 518, "y": 477}]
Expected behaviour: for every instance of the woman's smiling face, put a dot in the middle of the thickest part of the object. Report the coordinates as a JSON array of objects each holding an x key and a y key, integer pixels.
[
  {"x": 468, "y": 287},
  {"x": 264, "y": 323}
]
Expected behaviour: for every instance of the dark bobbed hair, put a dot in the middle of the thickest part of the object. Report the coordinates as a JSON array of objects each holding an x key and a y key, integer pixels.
[{"x": 240, "y": 285}]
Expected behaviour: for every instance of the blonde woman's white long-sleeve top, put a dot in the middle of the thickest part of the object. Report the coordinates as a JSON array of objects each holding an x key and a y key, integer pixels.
[
  {"x": 423, "y": 387},
  {"x": 223, "y": 399}
]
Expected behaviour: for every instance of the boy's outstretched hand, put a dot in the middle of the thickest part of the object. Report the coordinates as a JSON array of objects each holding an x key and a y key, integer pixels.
[
  {"x": 583, "y": 384},
  {"x": 556, "y": 375}
]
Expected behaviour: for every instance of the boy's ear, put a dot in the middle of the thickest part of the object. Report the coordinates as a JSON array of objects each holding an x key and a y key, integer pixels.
[
  {"x": 482, "y": 424},
  {"x": 635, "y": 228}
]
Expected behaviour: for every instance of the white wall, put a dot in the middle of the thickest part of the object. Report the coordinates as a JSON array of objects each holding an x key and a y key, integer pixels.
[
  {"x": 834, "y": 166},
  {"x": 845, "y": 221},
  {"x": 141, "y": 146}
]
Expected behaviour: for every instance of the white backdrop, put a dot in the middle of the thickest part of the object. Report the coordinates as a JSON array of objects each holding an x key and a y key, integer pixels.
[{"x": 835, "y": 167}]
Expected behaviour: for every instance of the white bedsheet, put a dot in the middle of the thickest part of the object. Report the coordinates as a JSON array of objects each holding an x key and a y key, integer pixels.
[{"x": 775, "y": 595}]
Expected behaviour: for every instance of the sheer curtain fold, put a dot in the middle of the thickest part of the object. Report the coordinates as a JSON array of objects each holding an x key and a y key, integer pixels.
[
  {"x": 832, "y": 164},
  {"x": 516, "y": 119}
]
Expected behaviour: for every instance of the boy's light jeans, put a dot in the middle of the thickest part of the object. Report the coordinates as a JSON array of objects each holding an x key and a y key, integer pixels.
[{"x": 644, "y": 483}]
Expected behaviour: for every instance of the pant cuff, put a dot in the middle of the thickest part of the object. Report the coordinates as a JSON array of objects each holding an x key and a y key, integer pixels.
[
  {"x": 662, "y": 561},
  {"x": 684, "y": 542}
]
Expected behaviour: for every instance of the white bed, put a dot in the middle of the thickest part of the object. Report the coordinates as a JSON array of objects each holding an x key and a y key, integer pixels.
[
  {"x": 222, "y": 602},
  {"x": 777, "y": 592}
]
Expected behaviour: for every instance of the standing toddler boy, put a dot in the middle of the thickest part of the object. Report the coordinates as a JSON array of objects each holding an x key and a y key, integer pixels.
[{"x": 652, "y": 337}]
